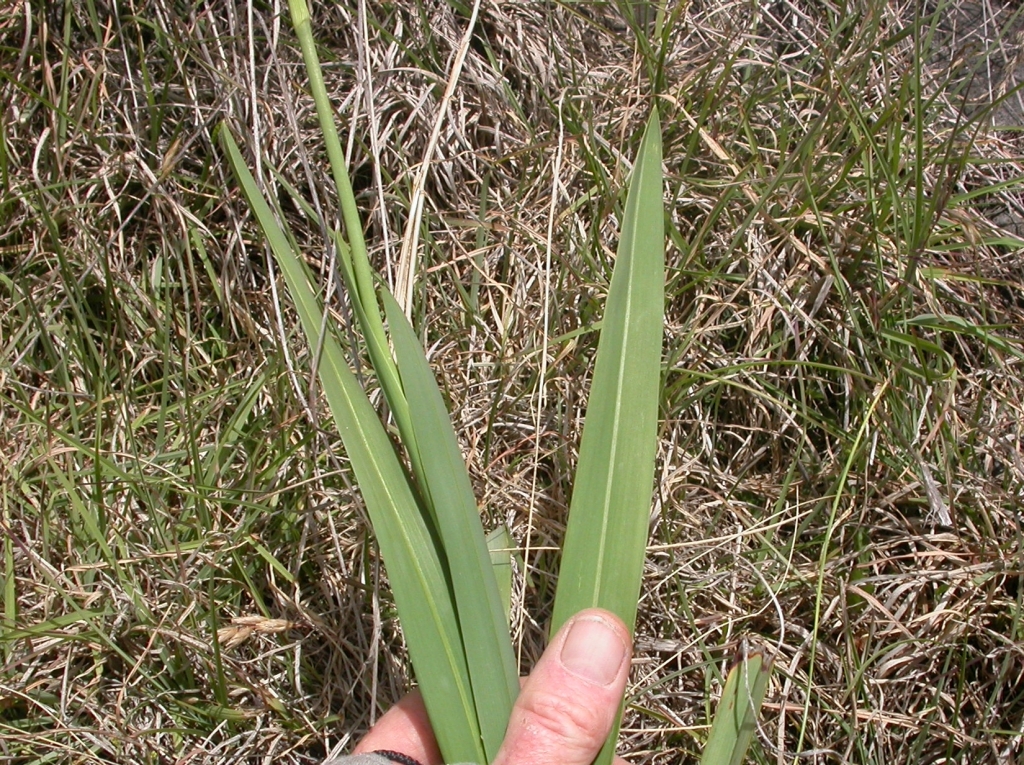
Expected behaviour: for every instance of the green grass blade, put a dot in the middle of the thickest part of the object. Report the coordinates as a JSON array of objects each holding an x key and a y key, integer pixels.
[
  {"x": 606, "y": 536},
  {"x": 500, "y": 546},
  {"x": 355, "y": 262},
  {"x": 368, "y": 319},
  {"x": 415, "y": 569},
  {"x": 492, "y": 664},
  {"x": 380, "y": 355},
  {"x": 10, "y": 594},
  {"x": 736, "y": 719},
  {"x": 335, "y": 153},
  {"x": 607, "y": 531},
  {"x": 83, "y": 513}
]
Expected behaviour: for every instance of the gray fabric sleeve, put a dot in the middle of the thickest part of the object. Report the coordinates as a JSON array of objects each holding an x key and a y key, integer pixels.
[
  {"x": 359, "y": 759},
  {"x": 374, "y": 758}
]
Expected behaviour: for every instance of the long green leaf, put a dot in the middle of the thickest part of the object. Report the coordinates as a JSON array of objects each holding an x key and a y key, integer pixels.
[
  {"x": 606, "y": 536},
  {"x": 380, "y": 354},
  {"x": 416, "y": 571},
  {"x": 492, "y": 663},
  {"x": 736, "y": 719},
  {"x": 355, "y": 262},
  {"x": 500, "y": 544}
]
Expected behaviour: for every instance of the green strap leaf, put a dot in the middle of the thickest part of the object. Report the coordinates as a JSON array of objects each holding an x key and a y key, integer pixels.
[
  {"x": 606, "y": 536},
  {"x": 492, "y": 663},
  {"x": 355, "y": 262},
  {"x": 417, "y": 573},
  {"x": 736, "y": 719},
  {"x": 501, "y": 548}
]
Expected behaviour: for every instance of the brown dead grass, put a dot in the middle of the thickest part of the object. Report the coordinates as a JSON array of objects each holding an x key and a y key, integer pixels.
[{"x": 189, "y": 577}]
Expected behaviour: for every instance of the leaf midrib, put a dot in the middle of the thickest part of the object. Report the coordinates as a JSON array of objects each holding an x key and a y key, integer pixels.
[{"x": 617, "y": 419}]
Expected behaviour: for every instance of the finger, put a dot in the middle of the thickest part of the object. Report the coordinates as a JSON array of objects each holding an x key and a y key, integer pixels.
[
  {"x": 569, "y": 702},
  {"x": 404, "y": 728}
]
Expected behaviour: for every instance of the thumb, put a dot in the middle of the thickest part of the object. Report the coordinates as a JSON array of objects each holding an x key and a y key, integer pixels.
[{"x": 569, "y": 702}]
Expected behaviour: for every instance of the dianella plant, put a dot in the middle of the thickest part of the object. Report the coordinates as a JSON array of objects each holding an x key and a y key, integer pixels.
[{"x": 418, "y": 493}]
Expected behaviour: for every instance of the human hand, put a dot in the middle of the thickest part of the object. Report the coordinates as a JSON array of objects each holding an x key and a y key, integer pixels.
[{"x": 564, "y": 711}]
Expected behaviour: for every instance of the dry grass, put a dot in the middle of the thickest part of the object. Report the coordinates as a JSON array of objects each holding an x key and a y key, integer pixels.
[{"x": 188, "y": 575}]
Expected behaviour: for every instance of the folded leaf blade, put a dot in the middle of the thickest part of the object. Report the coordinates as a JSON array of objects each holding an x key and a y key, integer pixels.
[
  {"x": 606, "y": 536},
  {"x": 492, "y": 664},
  {"x": 417, "y": 573},
  {"x": 735, "y": 721}
]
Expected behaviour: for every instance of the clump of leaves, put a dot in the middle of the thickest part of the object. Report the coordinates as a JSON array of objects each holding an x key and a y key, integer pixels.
[{"x": 425, "y": 517}]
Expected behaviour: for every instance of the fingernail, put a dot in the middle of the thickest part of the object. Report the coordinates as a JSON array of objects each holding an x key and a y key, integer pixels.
[{"x": 593, "y": 651}]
